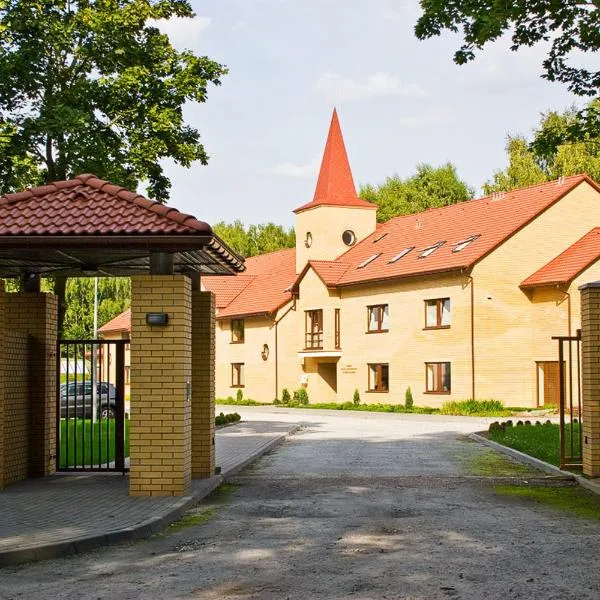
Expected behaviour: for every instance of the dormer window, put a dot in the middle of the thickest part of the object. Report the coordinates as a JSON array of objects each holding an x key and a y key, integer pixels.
[
  {"x": 401, "y": 254},
  {"x": 369, "y": 260},
  {"x": 464, "y": 243},
  {"x": 431, "y": 249}
]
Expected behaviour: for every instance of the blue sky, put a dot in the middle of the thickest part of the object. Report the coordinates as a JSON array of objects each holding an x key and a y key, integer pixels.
[{"x": 400, "y": 101}]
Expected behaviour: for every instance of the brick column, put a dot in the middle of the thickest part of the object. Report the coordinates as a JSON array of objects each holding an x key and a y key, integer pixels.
[
  {"x": 161, "y": 365},
  {"x": 203, "y": 384},
  {"x": 2, "y": 387},
  {"x": 35, "y": 314},
  {"x": 590, "y": 348}
]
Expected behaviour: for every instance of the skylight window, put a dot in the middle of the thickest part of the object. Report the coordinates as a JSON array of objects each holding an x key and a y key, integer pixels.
[
  {"x": 369, "y": 260},
  {"x": 464, "y": 243},
  {"x": 401, "y": 254},
  {"x": 377, "y": 239},
  {"x": 431, "y": 249}
]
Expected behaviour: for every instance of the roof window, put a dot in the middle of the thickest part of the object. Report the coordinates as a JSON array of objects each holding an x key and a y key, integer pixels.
[
  {"x": 401, "y": 254},
  {"x": 369, "y": 260},
  {"x": 431, "y": 249},
  {"x": 464, "y": 243},
  {"x": 377, "y": 239}
]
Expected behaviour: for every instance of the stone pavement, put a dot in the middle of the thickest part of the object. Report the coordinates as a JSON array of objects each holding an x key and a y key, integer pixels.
[{"x": 68, "y": 513}]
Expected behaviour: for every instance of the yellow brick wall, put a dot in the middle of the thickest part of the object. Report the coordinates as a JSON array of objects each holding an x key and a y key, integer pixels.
[
  {"x": 259, "y": 374},
  {"x": 17, "y": 414},
  {"x": 36, "y": 314},
  {"x": 590, "y": 316},
  {"x": 161, "y": 370},
  {"x": 326, "y": 225},
  {"x": 511, "y": 331},
  {"x": 203, "y": 384}
]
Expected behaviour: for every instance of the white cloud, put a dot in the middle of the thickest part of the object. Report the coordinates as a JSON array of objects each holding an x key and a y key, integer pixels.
[
  {"x": 400, "y": 11},
  {"x": 431, "y": 116},
  {"x": 339, "y": 88},
  {"x": 184, "y": 33},
  {"x": 292, "y": 170}
]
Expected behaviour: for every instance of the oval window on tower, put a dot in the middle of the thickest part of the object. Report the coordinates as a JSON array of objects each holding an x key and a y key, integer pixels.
[
  {"x": 308, "y": 239},
  {"x": 349, "y": 237}
]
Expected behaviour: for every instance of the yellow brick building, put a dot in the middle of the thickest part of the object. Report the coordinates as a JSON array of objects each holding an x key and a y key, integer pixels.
[{"x": 456, "y": 302}]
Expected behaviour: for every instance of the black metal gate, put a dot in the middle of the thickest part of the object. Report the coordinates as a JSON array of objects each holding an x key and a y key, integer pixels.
[
  {"x": 91, "y": 425},
  {"x": 569, "y": 362}
]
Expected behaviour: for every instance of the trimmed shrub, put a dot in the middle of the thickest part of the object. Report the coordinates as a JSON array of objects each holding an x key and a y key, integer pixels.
[
  {"x": 285, "y": 396},
  {"x": 301, "y": 396},
  {"x": 356, "y": 398},
  {"x": 240, "y": 395},
  {"x": 408, "y": 399},
  {"x": 223, "y": 419},
  {"x": 276, "y": 401}
]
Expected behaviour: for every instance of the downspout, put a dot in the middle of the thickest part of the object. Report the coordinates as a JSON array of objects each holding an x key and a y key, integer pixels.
[
  {"x": 472, "y": 337},
  {"x": 276, "y": 323}
]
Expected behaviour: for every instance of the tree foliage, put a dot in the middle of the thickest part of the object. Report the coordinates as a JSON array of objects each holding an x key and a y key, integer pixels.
[
  {"x": 255, "y": 239},
  {"x": 94, "y": 86},
  {"x": 114, "y": 295},
  {"x": 429, "y": 187},
  {"x": 572, "y": 27},
  {"x": 541, "y": 160}
]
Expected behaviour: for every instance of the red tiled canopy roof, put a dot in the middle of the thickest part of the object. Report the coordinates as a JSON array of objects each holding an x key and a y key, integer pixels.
[
  {"x": 335, "y": 186},
  {"x": 570, "y": 263},
  {"x": 121, "y": 322},
  {"x": 88, "y": 225},
  {"x": 263, "y": 289}
]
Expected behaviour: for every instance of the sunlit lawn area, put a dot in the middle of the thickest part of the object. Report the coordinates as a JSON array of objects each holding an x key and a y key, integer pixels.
[
  {"x": 79, "y": 450},
  {"x": 541, "y": 440}
]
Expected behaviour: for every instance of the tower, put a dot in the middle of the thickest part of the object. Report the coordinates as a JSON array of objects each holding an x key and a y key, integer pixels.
[{"x": 336, "y": 218}]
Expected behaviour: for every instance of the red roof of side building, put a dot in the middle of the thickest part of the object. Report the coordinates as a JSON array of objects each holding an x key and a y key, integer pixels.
[
  {"x": 121, "y": 322},
  {"x": 488, "y": 222},
  {"x": 335, "y": 186},
  {"x": 570, "y": 263},
  {"x": 266, "y": 286}
]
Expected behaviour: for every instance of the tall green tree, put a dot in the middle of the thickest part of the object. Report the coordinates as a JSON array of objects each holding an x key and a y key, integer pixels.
[
  {"x": 572, "y": 26},
  {"x": 255, "y": 239},
  {"x": 114, "y": 296},
  {"x": 429, "y": 187},
  {"x": 539, "y": 160},
  {"x": 94, "y": 86}
]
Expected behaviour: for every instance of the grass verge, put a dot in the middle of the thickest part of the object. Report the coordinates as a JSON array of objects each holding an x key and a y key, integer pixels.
[{"x": 541, "y": 440}]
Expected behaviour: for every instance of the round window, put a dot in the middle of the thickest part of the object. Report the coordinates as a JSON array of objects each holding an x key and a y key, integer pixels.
[
  {"x": 308, "y": 239},
  {"x": 349, "y": 237}
]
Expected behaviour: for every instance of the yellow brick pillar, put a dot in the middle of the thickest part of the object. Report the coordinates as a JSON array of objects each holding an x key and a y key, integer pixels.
[
  {"x": 590, "y": 347},
  {"x": 161, "y": 369},
  {"x": 203, "y": 384},
  {"x": 35, "y": 314},
  {"x": 2, "y": 386}
]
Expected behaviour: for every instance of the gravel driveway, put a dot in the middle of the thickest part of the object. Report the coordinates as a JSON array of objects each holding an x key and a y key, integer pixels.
[{"x": 353, "y": 506}]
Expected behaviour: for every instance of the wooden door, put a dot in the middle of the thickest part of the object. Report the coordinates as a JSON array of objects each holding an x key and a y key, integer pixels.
[{"x": 548, "y": 383}]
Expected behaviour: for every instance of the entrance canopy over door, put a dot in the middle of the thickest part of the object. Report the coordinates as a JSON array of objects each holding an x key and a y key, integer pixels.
[{"x": 87, "y": 226}]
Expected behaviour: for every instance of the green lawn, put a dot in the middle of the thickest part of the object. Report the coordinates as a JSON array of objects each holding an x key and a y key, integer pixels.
[
  {"x": 82, "y": 451},
  {"x": 541, "y": 441}
]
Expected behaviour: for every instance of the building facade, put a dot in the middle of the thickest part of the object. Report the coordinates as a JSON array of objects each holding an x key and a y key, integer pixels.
[{"x": 457, "y": 302}]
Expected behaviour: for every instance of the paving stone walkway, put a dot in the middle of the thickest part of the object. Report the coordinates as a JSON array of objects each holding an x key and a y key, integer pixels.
[{"x": 67, "y": 513}]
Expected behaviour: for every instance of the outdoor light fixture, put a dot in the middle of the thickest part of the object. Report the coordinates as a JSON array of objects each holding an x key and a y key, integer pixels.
[{"x": 157, "y": 318}]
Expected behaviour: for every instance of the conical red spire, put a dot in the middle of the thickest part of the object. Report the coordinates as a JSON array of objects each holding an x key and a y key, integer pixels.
[{"x": 335, "y": 185}]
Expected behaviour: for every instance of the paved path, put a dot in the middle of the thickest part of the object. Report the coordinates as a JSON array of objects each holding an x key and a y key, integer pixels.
[
  {"x": 67, "y": 513},
  {"x": 354, "y": 506}
]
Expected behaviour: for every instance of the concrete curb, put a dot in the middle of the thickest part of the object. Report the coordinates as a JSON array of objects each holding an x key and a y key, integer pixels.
[
  {"x": 521, "y": 457},
  {"x": 593, "y": 486},
  {"x": 141, "y": 530},
  {"x": 258, "y": 453}
]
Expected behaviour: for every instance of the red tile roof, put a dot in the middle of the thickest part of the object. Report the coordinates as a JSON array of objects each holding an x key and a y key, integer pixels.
[
  {"x": 330, "y": 271},
  {"x": 335, "y": 186},
  {"x": 121, "y": 322},
  {"x": 265, "y": 287},
  {"x": 87, "y": 205},
  {"x": 493, "y": 219},
  {"x": 570, "y": 263}
]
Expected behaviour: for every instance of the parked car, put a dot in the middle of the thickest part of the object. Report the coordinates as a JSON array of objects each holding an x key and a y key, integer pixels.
[{"x": 77, "y": 398}]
